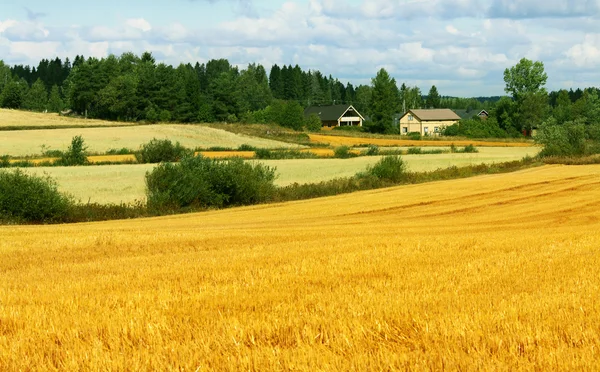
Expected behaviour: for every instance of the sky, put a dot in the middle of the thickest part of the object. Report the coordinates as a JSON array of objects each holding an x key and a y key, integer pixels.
[{"x": 461, "y": 46}]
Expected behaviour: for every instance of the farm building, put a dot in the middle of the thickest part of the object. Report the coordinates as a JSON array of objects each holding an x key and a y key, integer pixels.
[
  {"x": 427, "y": 122},
  {"x": 469, "y": 114},
  {"x": 336, "y": 116}
]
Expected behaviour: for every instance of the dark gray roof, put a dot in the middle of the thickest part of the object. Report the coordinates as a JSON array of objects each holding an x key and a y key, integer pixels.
[{"x": 329, "y": 113}]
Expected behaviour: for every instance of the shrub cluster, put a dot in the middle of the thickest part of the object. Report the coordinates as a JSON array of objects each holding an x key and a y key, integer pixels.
[
  {"x": 476, "y": 128},
  {"x": 75, "y": 155},
  {"x": 198, "y": 182},
  {"x": 162, "y": 150},
  {"x": 390, "y": 168},
  {"x": 29, "y": 198},
  {"x": 284, "y": 154},
  {"x": 568, "y": 139},
  {"x": 343, "y": 152}
]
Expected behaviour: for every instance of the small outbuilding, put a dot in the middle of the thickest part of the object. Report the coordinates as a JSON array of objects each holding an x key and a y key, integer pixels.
[
  {"x": 427, "y": 122},
  {"x": 336, "y": 115}
]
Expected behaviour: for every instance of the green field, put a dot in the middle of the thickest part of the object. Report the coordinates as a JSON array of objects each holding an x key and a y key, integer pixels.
[
  {"x": 100, "y": 140},
  {"x": 125, "y": 183}
]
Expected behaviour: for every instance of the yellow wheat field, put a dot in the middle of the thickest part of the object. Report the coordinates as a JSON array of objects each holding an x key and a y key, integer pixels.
[
  {"x": 19, "y": 118},
  {"x": 100, "y": 140},
  {"x": 357, "y": 141},
  {"x": 125, "y": 183},
  {"x": 500, "y": 272}
]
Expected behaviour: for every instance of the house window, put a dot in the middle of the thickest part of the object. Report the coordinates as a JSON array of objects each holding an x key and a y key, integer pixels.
[
  {"x": 405, "y": 130},
  {"x": 410, "y": 118},
  {"x": 436, "y": 129},
  {"x": 426, "y": 130}
]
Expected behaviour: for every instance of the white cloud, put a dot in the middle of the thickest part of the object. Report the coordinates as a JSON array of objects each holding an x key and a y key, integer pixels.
[
  {"x": 461, "y": 44},
  {"x": 139, "y": 23},
  {"x": 587, "y": 53},
  {"x": 7, "y": 24},
  {"x": 452, "y": 30}
]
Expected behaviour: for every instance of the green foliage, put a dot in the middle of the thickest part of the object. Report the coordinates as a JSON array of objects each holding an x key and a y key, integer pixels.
[
  {"x": 246, "y": 147},
  {"x": 524, "y": 78},
  {"x": 121, "y": 151},
  {"x": 384, "y": 102},
  {"x": 198, "y": 182},
  {"x": 36, "y": 98},
  {"x": 313, "y": 123},
  {"x": 284, "y": 154},
  {"x": 562, "y": 140},
  {"x": 475, "y": 128},
  {"x": 391, "y": 168},
  {"x": 75, "y": 155},
  {"x": 29, "y": 198},
  {"x": 13, "y": 94},
  {"x": 5, "y": 161},
  {"x": 414, "y": 151},
  {"x": 525, "y": 82},
  {"x": 414, "y": 136},
  {"x": 55, "y": 101},
  {"x": 433, "y": 98},
  {"x": 162, "y": 150},
  {"x": 373, "y": 150},
  {"x": 469, "y": 149},
  {"x": 343, "y": 152}
]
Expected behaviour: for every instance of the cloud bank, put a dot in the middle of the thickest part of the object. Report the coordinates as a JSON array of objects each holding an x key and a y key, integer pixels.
[{"x": 460, "y": 46}]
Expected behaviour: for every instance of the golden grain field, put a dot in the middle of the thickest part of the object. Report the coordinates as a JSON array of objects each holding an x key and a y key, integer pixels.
[
  {"x": 100, "y": 140},
  {"x": 499, "y": 272},
  {"x": 357, "y": 141},
  {"x": 125, "y": 183},
  {"x": 20, "y": 118}
]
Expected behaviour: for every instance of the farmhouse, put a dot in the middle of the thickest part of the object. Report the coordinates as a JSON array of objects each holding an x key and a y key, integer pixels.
[
  {"x": 336, "y": 116},
  {"x": 427, "y": 122}
]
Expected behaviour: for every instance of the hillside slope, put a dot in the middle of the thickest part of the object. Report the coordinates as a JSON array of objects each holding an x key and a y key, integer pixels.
[{"x": 497, "y": 272}]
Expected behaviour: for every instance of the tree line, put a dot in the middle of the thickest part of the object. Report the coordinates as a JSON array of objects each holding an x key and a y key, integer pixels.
[{"x": 137, "y": 88}]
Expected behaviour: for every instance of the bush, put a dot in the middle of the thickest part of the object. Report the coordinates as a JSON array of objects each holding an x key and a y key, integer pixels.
[
  {"x": 414, "y": 151},
  {"x": 29, "y": 198},
  {"x": 562, "y": 140},
  {"x": 162, "y": 150},
  {"x": 372, "y": 150},
  {"x": 415, "y": 136},
  {"x": 198, "y": 182},
  {"x": 451, "y": 130},
  {"x": 5, "y": 161},
  {"x": 391, "y": 168},
  {"x": 313, "y": 123},
  {"x": 284, "y": 154},
  {"x": 75, "y": 155},
  {"x": 476, "y": 128},
  {"x": 246, "y": 147},
  {"x": 121, "y": 151},
  {"x": 343, "y": 152},
  {"x": 469, "y": 149}
]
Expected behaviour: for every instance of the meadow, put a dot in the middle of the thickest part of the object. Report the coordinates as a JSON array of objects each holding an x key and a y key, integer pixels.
[
  {"x": 125, "y": 183},
  {"x": 498, "y": 272},
  {"x": 101, "y": 140},
  {"x": 26, "y": 119}
]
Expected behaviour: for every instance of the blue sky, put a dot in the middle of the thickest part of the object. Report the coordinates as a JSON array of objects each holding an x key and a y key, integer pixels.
[{"x": 461, "y": 46}]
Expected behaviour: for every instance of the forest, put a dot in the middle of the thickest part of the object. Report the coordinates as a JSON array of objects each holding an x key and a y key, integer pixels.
[{"x": 137, "y": 88}]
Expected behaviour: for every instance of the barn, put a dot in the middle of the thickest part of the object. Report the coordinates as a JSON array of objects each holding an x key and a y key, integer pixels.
[{"x": 336, "y": 115}]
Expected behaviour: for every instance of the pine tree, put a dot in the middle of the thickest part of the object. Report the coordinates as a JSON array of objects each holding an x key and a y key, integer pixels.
[
  {"x": 384, "y": 102},
  {"x": 433, "y": 98},
  {"x": 36, "y": 98},
  {"x": 55, "y": 102}
]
